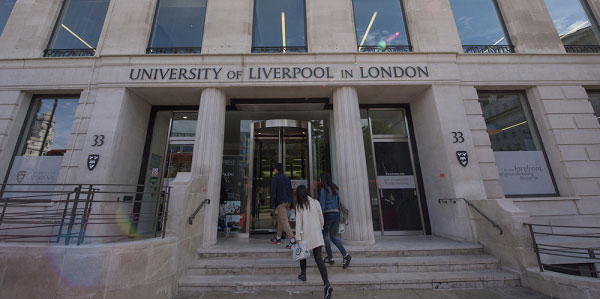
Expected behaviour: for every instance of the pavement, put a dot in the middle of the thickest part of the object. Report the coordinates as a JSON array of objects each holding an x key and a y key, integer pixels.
[{"x": 490, "y": 293}]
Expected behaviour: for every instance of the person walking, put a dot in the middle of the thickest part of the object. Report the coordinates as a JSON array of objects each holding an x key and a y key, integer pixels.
[
  {"x": 330, "y": 203},
  {"x": 281, "y": 199},
  {"x": 309, "y": 223}
]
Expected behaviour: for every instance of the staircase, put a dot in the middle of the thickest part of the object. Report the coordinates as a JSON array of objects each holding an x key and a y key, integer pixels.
[{"x": 421, "y": 262}]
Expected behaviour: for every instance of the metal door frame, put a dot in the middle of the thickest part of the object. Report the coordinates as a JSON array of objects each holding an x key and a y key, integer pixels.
[
  {"x": 394, "y": 138},
  {"x": 281, "y": 124}
]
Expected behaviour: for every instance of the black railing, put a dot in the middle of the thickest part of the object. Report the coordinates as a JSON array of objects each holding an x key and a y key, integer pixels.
[
  {"x": 580, "y": 49},
  {"x": 386, "y": 49},
  {"x": 453, "y": 200},
  {"x": 191, "y": 218},
  {"x": 174, "y": 50},
  {"x": 72, "y": 213},
  {"x": 562, "y": 241},
  {"x": 488, "y": 49},
  {"x": 69, "y": 52},
  {"x": 295, "y": 49}
]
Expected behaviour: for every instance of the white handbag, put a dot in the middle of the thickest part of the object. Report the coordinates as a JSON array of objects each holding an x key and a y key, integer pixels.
[
  {"x": 342, "y": 228},
  {"x": 300, "y": 251},
  {"x": 292, "y": 215}
]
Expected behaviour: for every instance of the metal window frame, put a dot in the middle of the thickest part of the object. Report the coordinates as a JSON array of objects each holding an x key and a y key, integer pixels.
[
  {"x": 528, "y": 112},
  {"x": 151, "y": 33},
  {"x": 252, "y": 46},
  {"x": 405, "y": 21}
]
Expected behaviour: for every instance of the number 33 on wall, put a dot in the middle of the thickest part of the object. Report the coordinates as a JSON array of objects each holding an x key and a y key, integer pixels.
[
  {"x": 98, "y": 140},
  {"x": 458, "y": 137}
]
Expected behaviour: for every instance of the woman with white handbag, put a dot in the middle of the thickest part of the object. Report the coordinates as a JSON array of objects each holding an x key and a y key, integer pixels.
[{"x": 309, "y": 224}]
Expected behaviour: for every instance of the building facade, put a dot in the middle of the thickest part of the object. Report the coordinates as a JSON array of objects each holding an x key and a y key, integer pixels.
[{"x": 407, "y": 103}]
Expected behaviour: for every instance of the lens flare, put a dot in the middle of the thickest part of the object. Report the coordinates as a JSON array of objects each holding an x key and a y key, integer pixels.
[
  {"x": 382, "y": 45},
  {"x": 392, "y": 37}
]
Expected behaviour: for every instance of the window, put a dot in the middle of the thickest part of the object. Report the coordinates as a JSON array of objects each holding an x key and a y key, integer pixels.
[
  {"x": 519, "y": 153},
  {"x": 39, "y": 156},
  {"x": 595, "y": 100},
  {"x": 178, "y": 27},
  {"x": 380, "y": 26},
  {"x": 6, "y": 7},
  {"x": 279, "y": 26},
  {"x": 480, "y": 26},
  {"x": 78, "y": 28},
  {"x": 576, "y": 29}
]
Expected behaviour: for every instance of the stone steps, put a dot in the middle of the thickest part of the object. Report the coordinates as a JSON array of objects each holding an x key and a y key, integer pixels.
[
  {"x": 191, "y": 284},
  {"x": 414, "y": 262},
  {"x": 358, "y": 265},
  {"x": 279, "y": 252}
]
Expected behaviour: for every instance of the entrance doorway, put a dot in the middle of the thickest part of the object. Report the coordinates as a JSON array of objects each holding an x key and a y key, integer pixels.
[
  {"x": 397, "y": 206},
  {"x": 282, "y": 141}
]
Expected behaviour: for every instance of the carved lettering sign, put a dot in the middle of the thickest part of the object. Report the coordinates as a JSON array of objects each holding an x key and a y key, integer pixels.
[{"x": 277, "y": 73}]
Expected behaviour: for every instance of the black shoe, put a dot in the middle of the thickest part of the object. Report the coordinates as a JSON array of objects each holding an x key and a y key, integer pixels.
[
  {"x": 328, "y": 260},
  {"x": 328, "y": 291},
  {"x": 289, "y": 246},
  {"x": 347, "y": 259},
  {"x": 302, "y": 277}
]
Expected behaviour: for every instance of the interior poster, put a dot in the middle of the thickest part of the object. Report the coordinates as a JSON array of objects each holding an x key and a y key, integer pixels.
[
  {"x": 231, "y": 187},
  {"x": 524, "y": 173}
]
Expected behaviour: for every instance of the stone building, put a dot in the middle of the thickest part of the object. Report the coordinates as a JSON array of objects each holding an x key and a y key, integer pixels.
[{"x": 411, "y": 105}]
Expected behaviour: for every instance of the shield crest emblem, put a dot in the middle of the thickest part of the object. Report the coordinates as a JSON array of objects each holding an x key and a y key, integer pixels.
[
  {"x": 463, "y": 158},
  {"x": 21, "y": 176},
  {"x": 92, "y": 161}
]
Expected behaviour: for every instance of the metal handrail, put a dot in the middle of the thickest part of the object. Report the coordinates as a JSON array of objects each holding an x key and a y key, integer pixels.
[
  {"x": 62, "y": 213},
  {"x": 453, "y": 200},
  {"x": 571, "y": 251},
  {"x": 191, "y": 218}
]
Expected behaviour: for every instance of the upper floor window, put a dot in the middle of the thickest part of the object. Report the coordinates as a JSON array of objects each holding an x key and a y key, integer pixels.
[
  {"x": 380, "y": 26},
  {"x": 78, "y": 28},
  {"x": 6, "y": 7},
  {"x": 279, "y": 26},
  {"x": 577, "y": 30},
  {"x": 178, "y": 27},
  {"x": 595, "y": 100},
  {"x": 480, "y": 26}
]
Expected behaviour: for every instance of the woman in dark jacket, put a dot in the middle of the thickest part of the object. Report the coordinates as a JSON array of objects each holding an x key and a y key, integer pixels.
[{"x": 330, "y": 203}]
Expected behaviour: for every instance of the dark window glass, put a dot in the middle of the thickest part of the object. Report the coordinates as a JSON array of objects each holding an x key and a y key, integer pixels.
[
  {"x": 179, "y": 24},
  {"x": 279, "y": 26},
  {"x": 520, "y": 156},
  {"x": 572, "y": 23},
  {"x": 595, "y": 100},
  {"x": 39, "y": 158},
  {"x": 6, "y": 7},
  {"x": 79, "y": 25},
  {"x": 479, "y": 23},
  {"x": 380, "y": 25}
]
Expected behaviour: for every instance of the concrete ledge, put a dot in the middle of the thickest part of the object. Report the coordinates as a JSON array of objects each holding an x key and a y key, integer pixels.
[
  {"x": 124, "y": 270},
  {"x": 563, "y": 286}
]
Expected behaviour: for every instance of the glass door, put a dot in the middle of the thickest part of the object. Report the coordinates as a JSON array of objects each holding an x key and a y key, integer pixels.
[
  {"x": 398, "y": 199},
  {"x": 395, "y": 194},
  {"x": 276, "y": 141}
]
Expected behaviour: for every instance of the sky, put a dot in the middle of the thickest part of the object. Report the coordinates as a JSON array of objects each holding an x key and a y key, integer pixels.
[{"x": 568, "y": 15}]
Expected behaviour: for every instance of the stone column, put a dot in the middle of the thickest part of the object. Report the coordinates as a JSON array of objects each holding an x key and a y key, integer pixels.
[
  {"x": 352, "y": 166},
  {"x": 431, "y": 26},
  {"x": 530, "y": 26},
  {"x": 208, "y": 155}
]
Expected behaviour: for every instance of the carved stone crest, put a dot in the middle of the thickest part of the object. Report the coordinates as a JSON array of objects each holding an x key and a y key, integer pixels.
[{"x": 463, "y": 158}]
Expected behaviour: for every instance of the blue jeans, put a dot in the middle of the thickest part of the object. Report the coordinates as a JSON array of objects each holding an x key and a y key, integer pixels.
[{"x": 330, "y": 230}]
